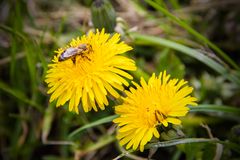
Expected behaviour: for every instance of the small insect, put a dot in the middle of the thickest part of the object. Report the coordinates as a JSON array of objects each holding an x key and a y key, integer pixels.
[
  {"x": 72, "y": 52},
  {"x": 159, "y": 116}
]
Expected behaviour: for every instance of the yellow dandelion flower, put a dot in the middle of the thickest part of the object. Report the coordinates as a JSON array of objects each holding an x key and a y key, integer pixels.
[
  {"x": 87, "y": 70},
  {"x": 158, "y": 102}
]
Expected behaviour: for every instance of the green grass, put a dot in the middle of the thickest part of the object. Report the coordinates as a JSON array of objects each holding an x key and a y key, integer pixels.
[{"x": 32, "y": 128}]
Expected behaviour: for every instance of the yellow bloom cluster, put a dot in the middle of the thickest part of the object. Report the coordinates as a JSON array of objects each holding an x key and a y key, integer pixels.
[{"x": 92, "y": 67}]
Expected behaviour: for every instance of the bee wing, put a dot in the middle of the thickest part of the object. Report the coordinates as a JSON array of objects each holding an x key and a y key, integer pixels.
[{"x": 70, "y": 52}]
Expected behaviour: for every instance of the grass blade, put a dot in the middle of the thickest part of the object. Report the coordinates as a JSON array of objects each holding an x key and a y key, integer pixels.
[
  {"x": 151, "y": 40},
  {"x": 95, "y": 123},
  {"x": 12, "y": 31},
  {"x": 215, "y": 108},
  {"x": 180, "y": 141},
  {"x": 193, "y": 32},
  {"x": 19, "y": 95},
  {"x": 174, "y": 142},
  {"x": 31, "y": 65}
]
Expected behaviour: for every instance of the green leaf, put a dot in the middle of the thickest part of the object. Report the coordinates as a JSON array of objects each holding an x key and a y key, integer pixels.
[
  {"x": 196, "y": 54},
  {"x": 193, "y": 150},
  {"x": 170, "y": 62},
  {"x": 31, "y": 61},
  {"x": 19, "y": 95},
  {"x": 225, "y": 112},
  {"x": 180, "y": 141},
  {"x": 15, "y": 32},
  {"x": 215, "y": 108},
  {"x": 174, "y": 142},
  {"x": 198, "y": 150},
  {"x": 192, "y": 31},
  {"x": 209, "y": 152},
  {"x": 47, "y": 121},
  {"x": 103, "y": 141},
  {"x": 92, "y": 124}
]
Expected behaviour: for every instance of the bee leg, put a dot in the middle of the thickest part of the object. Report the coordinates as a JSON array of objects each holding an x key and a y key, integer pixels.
[
  {"x": 88, "y": 58},
  {"x": 74, "y": 60},
  {"x": 85, "y": 56}
]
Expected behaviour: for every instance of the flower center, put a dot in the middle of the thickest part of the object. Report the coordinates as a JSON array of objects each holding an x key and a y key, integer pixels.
[{"x": 154, "y": 116}]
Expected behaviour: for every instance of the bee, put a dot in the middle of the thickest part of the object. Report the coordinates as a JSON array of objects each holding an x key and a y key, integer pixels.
[
  {"x": 159, "y": 116},
  {"x": 72, "y": 52}
]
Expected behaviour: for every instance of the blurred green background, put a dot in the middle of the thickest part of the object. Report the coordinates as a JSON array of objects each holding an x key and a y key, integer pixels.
[{"x": 193, "y": 39}]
